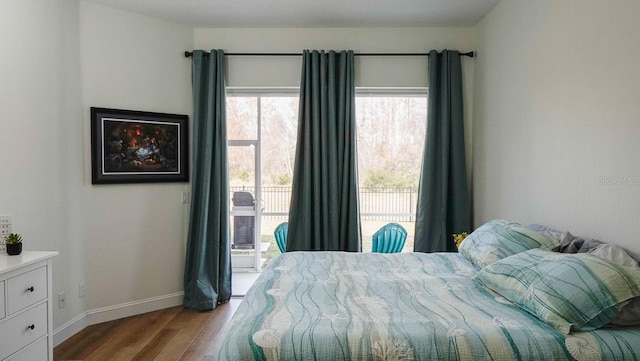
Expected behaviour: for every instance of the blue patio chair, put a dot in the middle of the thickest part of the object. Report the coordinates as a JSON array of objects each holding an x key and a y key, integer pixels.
[
  {"x": 389, "y": 239},
  {"x": 281, "y": 236}
]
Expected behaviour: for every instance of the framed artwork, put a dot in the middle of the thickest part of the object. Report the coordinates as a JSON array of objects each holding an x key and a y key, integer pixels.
[{"x": 134, "y": 147}]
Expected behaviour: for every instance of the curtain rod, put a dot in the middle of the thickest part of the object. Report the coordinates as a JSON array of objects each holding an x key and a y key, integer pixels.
[{"x": 188, "y": 54}]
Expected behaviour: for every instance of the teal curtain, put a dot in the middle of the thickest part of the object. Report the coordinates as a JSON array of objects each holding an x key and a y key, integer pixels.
[
  {"x": 443, "y": 200},
  {"x": 207, "y": 274},
  {"x": 324, "y": 202}
]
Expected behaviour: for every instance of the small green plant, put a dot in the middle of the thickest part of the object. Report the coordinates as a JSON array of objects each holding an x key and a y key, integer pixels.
[{"x": 13, "y": 238}]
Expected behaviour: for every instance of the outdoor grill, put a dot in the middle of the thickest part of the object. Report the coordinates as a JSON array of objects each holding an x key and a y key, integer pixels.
[{"x": 243, "y": 226}]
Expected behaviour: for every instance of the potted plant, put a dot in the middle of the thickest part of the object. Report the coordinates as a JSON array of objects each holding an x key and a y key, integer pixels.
[{"x": 14, "y": 244}]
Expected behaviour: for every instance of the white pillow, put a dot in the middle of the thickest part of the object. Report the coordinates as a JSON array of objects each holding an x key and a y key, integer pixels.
[
  {"x": 564, "y": 237},
  {"x": 615, "y": 254},
  {"x": 630, "y": 313}
]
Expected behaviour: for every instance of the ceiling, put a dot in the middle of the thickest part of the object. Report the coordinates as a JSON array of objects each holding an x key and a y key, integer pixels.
[{"x": 310, "y": 13}]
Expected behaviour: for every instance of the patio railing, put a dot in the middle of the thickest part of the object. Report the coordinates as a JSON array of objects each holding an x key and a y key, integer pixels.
[{"x": 383, "y": 204}]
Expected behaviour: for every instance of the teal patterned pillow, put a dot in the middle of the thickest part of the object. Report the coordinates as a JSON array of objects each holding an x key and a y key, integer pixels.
[
  {"x": 498, "y": 239},
  {"x": 569, "y": 292}
]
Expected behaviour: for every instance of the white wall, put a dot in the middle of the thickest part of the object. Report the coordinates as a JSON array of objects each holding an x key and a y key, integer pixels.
[
  {"x": 556, "y": 116},
  {"x": 135, "y": 233},
  {"x": 41, "y": 136},
  {"x": 59, "y": 59}
]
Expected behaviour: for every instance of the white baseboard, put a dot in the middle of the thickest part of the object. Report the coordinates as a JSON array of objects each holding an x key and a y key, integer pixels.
[
  {"x": 69, "y": 329},
  {"x": 111, "y": 313},
  {"x": 123, "y": 310}
]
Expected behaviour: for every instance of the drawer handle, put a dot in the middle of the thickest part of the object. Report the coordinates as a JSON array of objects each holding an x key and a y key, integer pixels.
[
  {"x": 31, "y": 327},
  {"x": 30, "y": 289}
]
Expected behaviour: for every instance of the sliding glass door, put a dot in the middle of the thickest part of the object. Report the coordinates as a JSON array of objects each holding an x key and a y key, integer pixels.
[{"x": 262, "y": 132}]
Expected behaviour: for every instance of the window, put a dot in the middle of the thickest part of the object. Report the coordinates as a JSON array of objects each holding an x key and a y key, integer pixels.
[
  {"x": 262, "y": 127},
  {"x": 391, "y": 133}
]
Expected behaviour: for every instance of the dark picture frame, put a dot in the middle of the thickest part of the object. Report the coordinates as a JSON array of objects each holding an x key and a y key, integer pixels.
[{"x": 129, "y": 146}]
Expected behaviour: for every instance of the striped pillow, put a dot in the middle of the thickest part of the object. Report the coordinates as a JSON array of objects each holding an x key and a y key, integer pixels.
[
  {"x": 569, "y": 292},
  {"x": 498, "y": 239}
]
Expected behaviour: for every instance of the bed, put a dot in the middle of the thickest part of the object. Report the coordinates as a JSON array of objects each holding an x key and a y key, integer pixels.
[{"x": 416, "y": 306}]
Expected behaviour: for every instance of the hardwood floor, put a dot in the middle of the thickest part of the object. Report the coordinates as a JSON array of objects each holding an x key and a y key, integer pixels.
[{"x": 170, "y": 334}]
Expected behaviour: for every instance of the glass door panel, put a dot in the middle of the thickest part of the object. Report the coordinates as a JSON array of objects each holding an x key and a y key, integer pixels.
[
  {"x": 261, "y": 125},
  {"x": 245, "y": 220},
  {"x": 391, "y": 132}
]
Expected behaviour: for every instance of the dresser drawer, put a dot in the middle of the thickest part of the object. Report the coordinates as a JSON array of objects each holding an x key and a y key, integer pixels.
[
  {"x": 2, "y": 311},
  {"x": 23, "y": 329},
  {"x": 26, "y": 289},
  {"x": 37, "y": 351}
]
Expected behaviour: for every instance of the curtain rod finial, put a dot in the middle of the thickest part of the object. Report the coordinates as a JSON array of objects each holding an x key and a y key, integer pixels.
[{"x": 188, "y": 54}]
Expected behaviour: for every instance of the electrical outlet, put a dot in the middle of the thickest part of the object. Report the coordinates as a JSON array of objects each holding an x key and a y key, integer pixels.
[
  {"x": 81, "y": 290},
  {"x": 5, "y": 224},
  {"x": 61, "y": 300},
  {"x": 5, "y": 229},
  {"x": 5, "y": 219}
]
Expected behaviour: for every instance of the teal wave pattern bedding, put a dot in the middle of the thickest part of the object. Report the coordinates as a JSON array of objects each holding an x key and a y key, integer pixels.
[{"x": 403, "y": 306}]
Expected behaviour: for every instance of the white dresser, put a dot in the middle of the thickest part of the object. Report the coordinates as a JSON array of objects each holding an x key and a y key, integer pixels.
[{"x": 25, "y": 307}]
